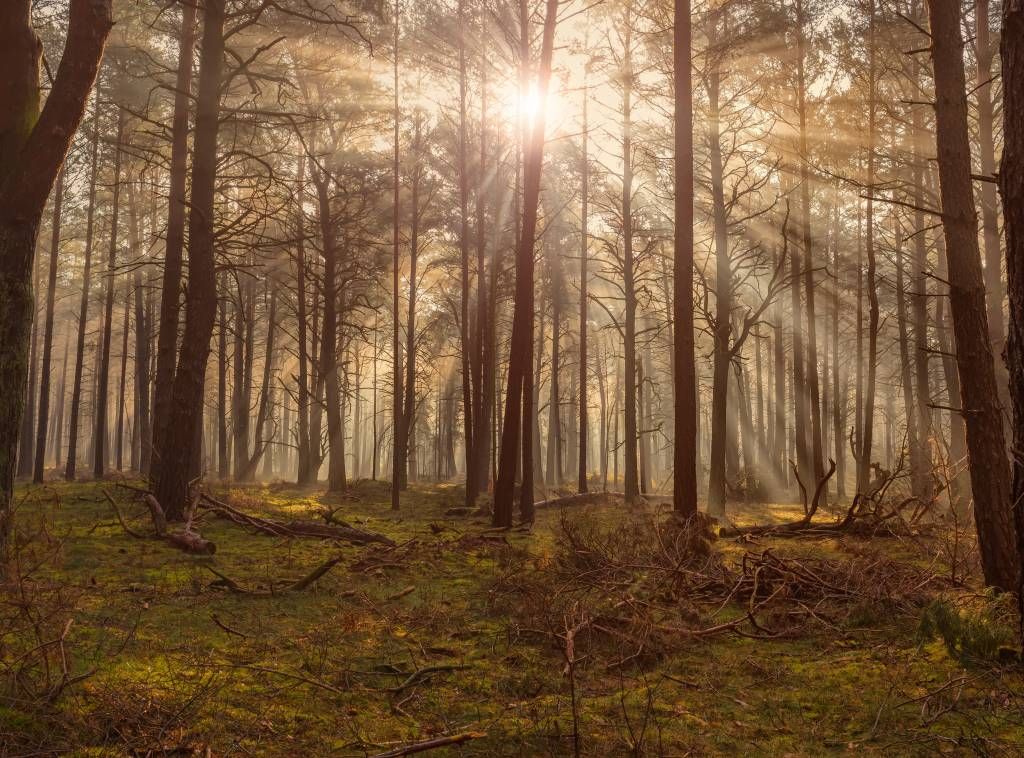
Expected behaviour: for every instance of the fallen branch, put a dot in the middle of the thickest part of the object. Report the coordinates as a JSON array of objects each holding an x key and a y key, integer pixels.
[
  {"x": 296, "y": 586},
  {"x": 292, "y": 528},
  {"x": 187, "y": 540},
  {"x": 436, "y": 742},
  {"x": 418, "y": 676}
]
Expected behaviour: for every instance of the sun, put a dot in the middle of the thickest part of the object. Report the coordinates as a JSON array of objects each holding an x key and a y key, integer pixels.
[{"x": 526, "y": 104}]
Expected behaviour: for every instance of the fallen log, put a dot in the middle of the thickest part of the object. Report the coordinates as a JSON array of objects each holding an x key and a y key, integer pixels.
[
  {"x": 187, "y": 540},
  {"x": 295, "y": 528},
  {"x": 436, "y": 742}
]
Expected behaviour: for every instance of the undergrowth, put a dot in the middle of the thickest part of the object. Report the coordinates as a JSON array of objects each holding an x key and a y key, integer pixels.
[{"x": 588, "y": 632}]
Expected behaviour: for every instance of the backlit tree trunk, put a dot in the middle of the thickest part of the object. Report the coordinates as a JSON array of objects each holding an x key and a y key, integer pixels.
[
  {"x": 990, "y": 480},
  {"x": 181, "y": 437}
]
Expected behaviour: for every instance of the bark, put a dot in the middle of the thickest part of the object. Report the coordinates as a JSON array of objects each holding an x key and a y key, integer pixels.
[
  {"x": 142, "y": 377},
  {"x": 83, "y": 309},
  {"x": 122, "y": 385},
  {"x": 990, "y": 480},
  {"x": 398, "y": 417},
  {"x": 722, "y": 324},
  {"x": 28, "y": 417},
  {"x": 465, "y": 333},
  {"x": 481, "y": 409},
  {"x": 1011, "y": 187},
  {"x": 170, "y": 292},
  {"x": 33, "y": 146},
  {"x": 996, "y": 293},
  {"x": 631, "y": 483},
  {"x": 581, "y": 479},
  {"x": 179, "y": 445},
  {"x": 811, "y": 376},
  {"x": 867, "y": 437},
  {"x": 51, "y": 288},
  {"x": 522, "y": 319},
  {"x": 553, "y": 467},
  {"x": 100, "y": 455}
]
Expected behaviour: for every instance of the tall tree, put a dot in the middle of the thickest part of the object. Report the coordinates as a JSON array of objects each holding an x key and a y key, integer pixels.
[
  {"x": 979, "y": 398},
  {"x": 684, "y": 374},
  {"x": 180, "y": 441},
  {"x": 33, "y": 145},
  {"x": 51, "y": 287},
  {"x": 515, "y": 421},
  {"x": 1011, "y": 187},
  {"x": 170, "y": 290}
]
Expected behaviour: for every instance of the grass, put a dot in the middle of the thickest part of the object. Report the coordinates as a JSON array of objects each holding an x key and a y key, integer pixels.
[{"x": 175, "y": 665}]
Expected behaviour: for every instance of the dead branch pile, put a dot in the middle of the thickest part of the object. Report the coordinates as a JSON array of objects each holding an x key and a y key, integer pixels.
[
  {"x": 635, "y": 589},
  {"x": 870, "y": 514},
  {"x": 337, "y": 530}
]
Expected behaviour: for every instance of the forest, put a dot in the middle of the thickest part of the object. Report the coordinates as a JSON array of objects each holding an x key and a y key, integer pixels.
[{"x": 511, "y": 377}]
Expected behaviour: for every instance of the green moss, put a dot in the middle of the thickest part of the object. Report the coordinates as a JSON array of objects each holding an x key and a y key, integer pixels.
[{"x": 315, "y": 673}]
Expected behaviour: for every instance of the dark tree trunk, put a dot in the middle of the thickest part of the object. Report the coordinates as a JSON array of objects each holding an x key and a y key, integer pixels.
[
  {"x": 990, "y": 480},
  {"x": 811, "y": 375},
  {"x": 33, "y": 146},
  {"x": 631, "y": 483},
  {"x": 867, "y": 436},
  {"x": 992, "y": 257},
  {"x": 51, "y": 287},
  {"x": 123, "y": 383},
  {"x": 581, "y": 479},
  {"x": 179, "y": 445},
  {"x": 1011, "y": 187},
  {"x": 517, "y": 404},
  {"x": 170, "y": 292},
  {"x": 100, "y": 454},
  {"x": 142, "y": 377},
  {"x": 399, "y": 421},
  {"x": 465, "y": 332},
  {"x": 722, "y": 325}
]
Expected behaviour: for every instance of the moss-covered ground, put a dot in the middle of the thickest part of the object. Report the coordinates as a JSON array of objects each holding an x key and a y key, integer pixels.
[{"x": 114, "y": 645}]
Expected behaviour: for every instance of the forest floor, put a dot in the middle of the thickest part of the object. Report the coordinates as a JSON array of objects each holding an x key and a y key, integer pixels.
[{"x": 600, "y": 616}]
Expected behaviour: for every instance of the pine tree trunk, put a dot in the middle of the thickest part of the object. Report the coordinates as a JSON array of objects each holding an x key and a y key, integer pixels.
[
  {"x": 990, "y": 480},
  {"x": 180, "y": 443},
  {"x": 1011, "y": 187},
  {"x": 170, "y": 291},
  {"x": 51, "y": 288},
  {"x": 517, "y": 403},
  {"x": 100, "y": 453},
  {"x": 33, "y": 147}
]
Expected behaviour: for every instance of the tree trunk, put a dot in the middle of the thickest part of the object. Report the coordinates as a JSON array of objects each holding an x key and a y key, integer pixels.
[
  {"x": 399, "y": 420},
  {"x": 990, "y": 480},
  {"x": 179, "y": 445},
  {"x": 516, "y": 402},
  {"x": 581, "y": 479},
  {"x": 33, "y": 147},
  {"x": 100, "y": 455},
  {"x": 170, "y": 291},
  {"x": 867, "y": 437},
  {"x": 722, "y": 325},
  {"x": 1011, "y": 187},
  {"x": 51, "y": 287}
]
